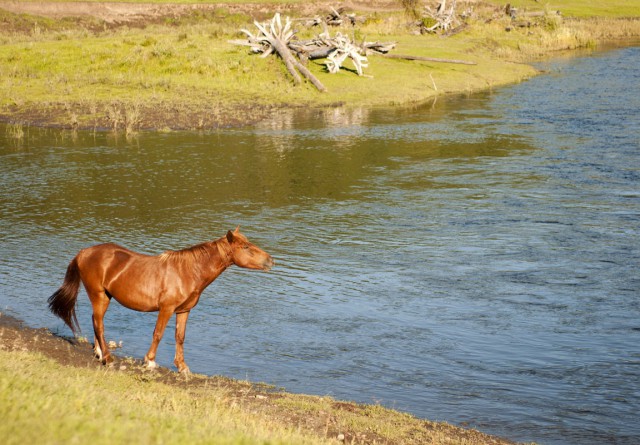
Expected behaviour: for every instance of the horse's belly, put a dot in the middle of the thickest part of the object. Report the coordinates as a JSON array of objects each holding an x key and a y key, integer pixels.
[{"x": 134, "y": 299}]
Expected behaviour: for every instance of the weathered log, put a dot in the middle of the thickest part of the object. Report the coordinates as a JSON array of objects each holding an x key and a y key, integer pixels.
[
  {"x": 313, "y": 53},
  {"x": 309, "y": 75},
  {"x": 427, "y": 59},
  {"x": 456, "y": 30},
  {"x": 277, "y": 37},
  {"x": 322, "y": 48},
  {"x": 379, "y": 47},
  {"x": 287, "y": 58}
]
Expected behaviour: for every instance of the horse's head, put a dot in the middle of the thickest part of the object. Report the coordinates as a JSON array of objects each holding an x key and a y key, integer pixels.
[{"x": 246, "y": 254}]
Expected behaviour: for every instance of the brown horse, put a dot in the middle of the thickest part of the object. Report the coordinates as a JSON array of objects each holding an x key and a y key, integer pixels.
[{"x": 169, "y": 283}]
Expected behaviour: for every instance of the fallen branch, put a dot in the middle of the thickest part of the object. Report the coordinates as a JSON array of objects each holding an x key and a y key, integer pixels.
[{"x": 427, "y": 59}]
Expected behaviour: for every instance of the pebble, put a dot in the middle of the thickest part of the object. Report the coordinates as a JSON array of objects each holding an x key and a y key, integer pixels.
[{"x": 341, "y": 437}]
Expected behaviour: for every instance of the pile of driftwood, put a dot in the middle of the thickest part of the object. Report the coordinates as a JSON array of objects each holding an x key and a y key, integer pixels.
[
  {"x": 278, "y": 37},
  {"x": 275, "y": 36},
  {"x": 443, "y": 18},
  {"x": 336, "y": 17}
]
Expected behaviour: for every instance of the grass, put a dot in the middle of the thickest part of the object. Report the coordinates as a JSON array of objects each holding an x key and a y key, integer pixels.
[
  {"x": 183, "y": 73},
  {"x": 582, "y": 8},
  {"x": 45, "y": 402}
]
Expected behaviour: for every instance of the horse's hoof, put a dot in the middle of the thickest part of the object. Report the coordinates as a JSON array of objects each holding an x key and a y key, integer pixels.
[
  {"x": 107, "y": 360},
  {"x": 184, "y": 370},
  {"x": 151, "y": 364}
]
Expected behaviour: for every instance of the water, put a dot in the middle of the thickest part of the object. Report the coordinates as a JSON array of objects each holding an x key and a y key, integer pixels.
[{"x": 473, "y": 260}]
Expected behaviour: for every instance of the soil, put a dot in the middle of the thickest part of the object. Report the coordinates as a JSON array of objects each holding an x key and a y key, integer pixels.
[
  {"x": 117, "y": 12},
  {"x": 132, "y": 14}
]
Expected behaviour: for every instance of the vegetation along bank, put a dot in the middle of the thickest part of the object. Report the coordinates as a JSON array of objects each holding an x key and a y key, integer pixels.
[{"x": 128, "y": 66}]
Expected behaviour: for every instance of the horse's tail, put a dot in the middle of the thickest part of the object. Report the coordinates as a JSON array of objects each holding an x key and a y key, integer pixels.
[{"x": 63, "y": 302}]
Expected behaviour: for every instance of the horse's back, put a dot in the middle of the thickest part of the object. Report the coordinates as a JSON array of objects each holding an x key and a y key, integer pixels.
[
  {"x": 97, "y": 263},
  {"x": 107, "y": 250}
]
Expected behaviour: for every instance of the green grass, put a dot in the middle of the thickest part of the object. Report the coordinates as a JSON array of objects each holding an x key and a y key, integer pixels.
[
  {"x": 46, "y": 403},
  {"x": 582, "y": 8}
]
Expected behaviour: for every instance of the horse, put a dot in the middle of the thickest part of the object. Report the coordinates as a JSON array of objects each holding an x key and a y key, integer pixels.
[{"x": 169, "y": 283}]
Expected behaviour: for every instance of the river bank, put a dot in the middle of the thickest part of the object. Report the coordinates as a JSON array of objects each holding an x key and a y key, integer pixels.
[
  {"x": 55, "y": 391},
  {"x": 132, "y": 66}
]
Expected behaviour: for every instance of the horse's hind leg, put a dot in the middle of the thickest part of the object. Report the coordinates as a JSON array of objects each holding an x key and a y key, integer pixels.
[{"x": 100, "y": 303}]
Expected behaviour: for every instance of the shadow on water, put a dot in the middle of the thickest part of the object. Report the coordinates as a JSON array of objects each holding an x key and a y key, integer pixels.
[{"x": 473, "y": 260}]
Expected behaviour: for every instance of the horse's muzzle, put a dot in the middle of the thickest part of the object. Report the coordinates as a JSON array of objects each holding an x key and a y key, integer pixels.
[{"x": 268, "y": 264}]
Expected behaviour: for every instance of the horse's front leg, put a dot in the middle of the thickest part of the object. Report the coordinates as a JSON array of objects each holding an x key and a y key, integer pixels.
[
  {"x": 181, "y": 327},
  {"x": 158, "y": 332}
]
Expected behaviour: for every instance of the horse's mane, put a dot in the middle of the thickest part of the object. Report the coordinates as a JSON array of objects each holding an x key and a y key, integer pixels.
[{"x": 194, "y": 255}]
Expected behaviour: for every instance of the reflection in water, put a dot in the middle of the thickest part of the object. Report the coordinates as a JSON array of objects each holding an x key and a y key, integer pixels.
[{"x": 473, "y": 260}]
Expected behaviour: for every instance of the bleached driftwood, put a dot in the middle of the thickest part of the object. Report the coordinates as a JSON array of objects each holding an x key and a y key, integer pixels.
[
  {"x": 337, "y": 17},
  {"x": 427, "y": 59},
  {"x": 274, "y": 37},
  {"x": 444, "y": 17},
  {"x": 343, "y": 48},
  {"x": 321, "y": 48}
]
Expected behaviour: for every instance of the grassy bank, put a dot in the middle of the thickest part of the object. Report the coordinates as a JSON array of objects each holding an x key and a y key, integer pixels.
[
  {"x": 45, "y": 402},
  {"x": 180, "y": 71},
  {"x": 73, "y": 399}
]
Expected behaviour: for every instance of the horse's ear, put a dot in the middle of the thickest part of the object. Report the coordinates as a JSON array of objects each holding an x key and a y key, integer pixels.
[
  {"x": 230, "y": 236},
  {"x": 237, "y": 230}
]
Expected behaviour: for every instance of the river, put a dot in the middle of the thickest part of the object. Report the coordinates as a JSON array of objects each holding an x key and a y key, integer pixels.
[{"x": 473, "y": 260}]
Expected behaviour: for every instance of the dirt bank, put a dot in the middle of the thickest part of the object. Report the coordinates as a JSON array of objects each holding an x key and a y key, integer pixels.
[{"x": 118, "y": 12}]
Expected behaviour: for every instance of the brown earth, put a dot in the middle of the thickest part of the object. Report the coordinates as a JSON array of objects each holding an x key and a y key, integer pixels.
[
  {"x": 16, "y": 336},
  {"x": 131, "y": 13}
]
